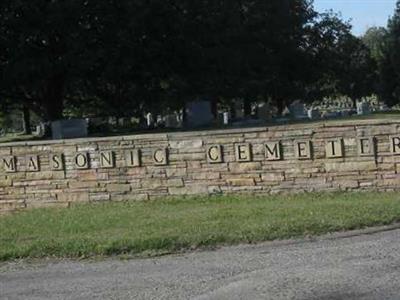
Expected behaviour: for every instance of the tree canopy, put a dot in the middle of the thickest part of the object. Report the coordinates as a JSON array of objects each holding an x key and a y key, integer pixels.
[{"x": 125, "y": 57}]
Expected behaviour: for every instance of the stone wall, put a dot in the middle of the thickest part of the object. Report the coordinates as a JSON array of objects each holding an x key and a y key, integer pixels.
[{"x": 331, "y": 156}]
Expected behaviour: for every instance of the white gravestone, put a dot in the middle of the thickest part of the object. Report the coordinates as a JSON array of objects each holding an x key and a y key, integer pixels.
[
  {"x": 225, "y": 118},
  {"x": 363, "y": 108},
  {"x": 149, "y": 120},
  {"x": 313, "y": 114}
]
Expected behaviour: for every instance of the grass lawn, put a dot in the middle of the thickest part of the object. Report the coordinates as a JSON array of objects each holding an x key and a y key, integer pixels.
[
  {"x": 8, "y": 138},
  {"x": 167, "y": 226}
]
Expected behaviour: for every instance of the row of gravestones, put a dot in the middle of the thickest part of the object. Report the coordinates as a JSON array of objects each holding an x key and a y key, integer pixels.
[{"x": 199, "y": 114}]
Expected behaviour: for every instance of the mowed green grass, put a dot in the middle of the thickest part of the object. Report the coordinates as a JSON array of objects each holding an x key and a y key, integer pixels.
[{"x": 167, "y": 226}]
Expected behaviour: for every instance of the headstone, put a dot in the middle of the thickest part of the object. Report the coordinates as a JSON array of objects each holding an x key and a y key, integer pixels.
[
  {"x": 160, "y": 121},
  {"x": 149, "y": 120},
  {"x": 198, "y": 113},
  {"x": 383, "y": 107},
  {"x": 363, "y": 108},
  {"x": 225, "y": 118},
  {"x": 345, "y": 113},
  {"x": 112, "y": 121},
  {"x": 297, "y": 110},
  {"x": 313, "y": 114},
  {"x": 238, "y": 107},
  {"x": 15, "y": 120},
  {"x": 171, "y": 121},
  {"x": 134, "y": 120},
  {"x": 66, "y": 129},
  {"x": 43, "y": 130},
  {"x": 97, "y": 121},
  {"x": 286, "y": 112},
  {"x": 264, "y": 112},
  {"x": 39, "y": 131},
  {"x": 121, "y": 122}
]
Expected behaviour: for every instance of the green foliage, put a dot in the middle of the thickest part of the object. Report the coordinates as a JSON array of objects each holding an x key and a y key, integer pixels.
[
  {"x": 123, "y": 58},
  {"x": 375, "y": 39},
  {"x": 390, "y": 65},
  {"x": 162, "y": 226}
]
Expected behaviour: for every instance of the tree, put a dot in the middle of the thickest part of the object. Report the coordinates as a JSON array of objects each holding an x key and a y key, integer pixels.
[
  {"x": 358, "y": 70},
  {"x": 390, "y": 66},
  {"x": 243, "y": 49},
  {"x": 340, "y": 63},
  {"x": 45, "y": 45},
  {"x": 123, "y": 58},
  {"x": 375, "y": 39}
]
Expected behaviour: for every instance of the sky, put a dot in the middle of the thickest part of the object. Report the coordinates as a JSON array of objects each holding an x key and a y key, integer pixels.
[{"x": 363, "y": 13}]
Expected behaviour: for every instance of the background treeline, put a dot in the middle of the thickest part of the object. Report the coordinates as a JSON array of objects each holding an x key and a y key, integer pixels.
[{"x": 126, "y": 57}]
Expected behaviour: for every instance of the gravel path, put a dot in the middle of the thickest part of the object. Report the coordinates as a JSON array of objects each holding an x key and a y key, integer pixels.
[{"x": 353, "y": 266}]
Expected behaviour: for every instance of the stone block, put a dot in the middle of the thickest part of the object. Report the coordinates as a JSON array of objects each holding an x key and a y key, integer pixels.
[
  {"x": 273, "y": 151},
  {"x": 366, "y": 146},
  {"x": 43, "y": 175},
  {"x": 188, "y": 190},
  {"x": 303, "y": 149},
  {"x": 82, "y": 161},
  {"x": 9, "y": 164},
  {"x": 57, "y": 161},
  {"x": 4, "y": 182},
  {"x": 153, "y": 183},
  {"x": 176, "y": 172},
  {"x": 107, "y": 159},
  {"x": 350, "y": 166},
  {"x": 101, "y": 197},
  {"x": 244, "y": 167},
  {"x": 272, "y": 177},
  {"x": 118, "y": 188},
  {"x": 32, "y": 163},
  {"x": 175, "y": 183},
  {"x": 133, "y": 158},
  {"x": 214, "y": 154},
  {"x": 73, "y": 197},
  {"x": 243, "y": 152},
  {"x": 214, "y": 190},
  {"x": 82, "y": 184},
  {"x": 130, "y": 197},
  {"x": 189, "y": 157},
  {"x": 334, "y": 148},
  {"x": 160, "y": 157},
  {"x": 347, "y": 184},
  {"x": 186, "y": 144},
  {"x": 200, "y": 175},
  {"x": 241, "y": 182}
]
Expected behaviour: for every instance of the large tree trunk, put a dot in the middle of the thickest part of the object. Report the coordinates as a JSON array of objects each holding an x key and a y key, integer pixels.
[
  {"x": 26, "y": 120},
  {"x": 247, "y": 107},
  {"x": 54, "y": 98},
  {"x": 232, "y": 110},
  {"x": 214, "y": 107},
  {"x": 354, "y": 99},
  {"x": 281, "y": 106}
]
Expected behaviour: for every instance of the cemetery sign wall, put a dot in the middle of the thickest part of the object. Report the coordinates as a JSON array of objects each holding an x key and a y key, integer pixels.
[{"x": 349, "y": 155}]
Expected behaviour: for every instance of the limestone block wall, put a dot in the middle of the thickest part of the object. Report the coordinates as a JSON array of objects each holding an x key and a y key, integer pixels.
[{"x": 361, "y": 155}]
